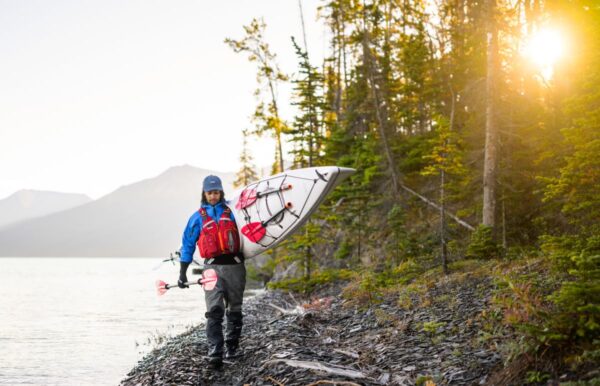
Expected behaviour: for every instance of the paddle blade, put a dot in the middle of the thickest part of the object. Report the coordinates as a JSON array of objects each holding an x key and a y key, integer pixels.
[
  {"x": 209, "y": 279},
  {"x": 247, "y": 198},
  {"x": 161, "y": 287},
  {"x": 254, "y": 231}
]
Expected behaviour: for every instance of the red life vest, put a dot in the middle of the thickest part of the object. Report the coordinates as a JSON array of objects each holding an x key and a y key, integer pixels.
[{"x": 220, "y": 238}]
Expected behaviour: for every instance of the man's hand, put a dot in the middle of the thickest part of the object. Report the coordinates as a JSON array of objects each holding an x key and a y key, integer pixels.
[
  {"x": 182, "y": 275},
  {"x": 181, "y": 282}
]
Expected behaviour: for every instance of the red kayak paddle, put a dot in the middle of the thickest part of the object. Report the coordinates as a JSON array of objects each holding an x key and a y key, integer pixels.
[
  {"x": 255, "y": 231},
  {"x": 249, "y": 196},
  {"x": 208, "y": 281}
]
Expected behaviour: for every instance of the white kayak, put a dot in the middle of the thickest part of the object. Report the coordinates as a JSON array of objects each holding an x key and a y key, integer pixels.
[{"x": 269, "y": 210}]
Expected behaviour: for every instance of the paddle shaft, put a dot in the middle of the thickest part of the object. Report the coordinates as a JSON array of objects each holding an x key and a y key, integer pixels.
[
  {"x": 266, "y": 193},
  {"x": 253, "y": 196},
  {"x": 275, "y": 215},
  {"x": 169, "y": 286},
  {"x": 256, "y": 230}
]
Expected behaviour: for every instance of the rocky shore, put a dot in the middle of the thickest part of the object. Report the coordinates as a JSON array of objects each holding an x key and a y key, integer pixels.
[{"x": 429, "y": 336}]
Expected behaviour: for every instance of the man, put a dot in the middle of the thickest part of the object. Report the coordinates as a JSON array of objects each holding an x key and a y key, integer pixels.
[{"x": 212, "y": 228}]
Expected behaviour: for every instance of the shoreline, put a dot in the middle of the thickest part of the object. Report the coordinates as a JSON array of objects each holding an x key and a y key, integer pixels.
[{"x": 288, "y": 340}]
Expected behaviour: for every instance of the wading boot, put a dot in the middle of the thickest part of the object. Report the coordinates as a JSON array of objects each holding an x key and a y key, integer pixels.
[
  {"x": 233, "y": 332},
  {"x": 232, "y": 352},
  {"x": 215, "y": 357},
  {"x": 214, "y": 336}
]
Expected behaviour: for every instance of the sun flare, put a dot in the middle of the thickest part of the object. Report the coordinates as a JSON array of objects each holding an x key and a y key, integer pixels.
[{"x": 545, "y": 48}]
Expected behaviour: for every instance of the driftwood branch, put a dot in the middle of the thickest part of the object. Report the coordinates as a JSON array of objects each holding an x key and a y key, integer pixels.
[
  {"x": 429, "y": 202},
  {"x": 343, "y": 372},
  {"x": 275, "y": 381},
  {"x": 347, "y": 353},
  {"x": 295, "y": 311},
  {"x": 325, "y": 382}
]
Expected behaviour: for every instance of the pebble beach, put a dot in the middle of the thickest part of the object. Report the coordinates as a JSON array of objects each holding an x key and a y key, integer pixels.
[{"x": 330, "y": 339}]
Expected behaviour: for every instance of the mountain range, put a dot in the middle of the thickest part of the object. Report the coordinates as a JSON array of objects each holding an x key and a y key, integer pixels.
[
  {"x": 26, "y": 204},
  {"x": 146, "y": 218}
]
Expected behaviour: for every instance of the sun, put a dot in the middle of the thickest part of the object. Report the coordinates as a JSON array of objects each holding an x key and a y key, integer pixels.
[{"x": 544, "y": 49}]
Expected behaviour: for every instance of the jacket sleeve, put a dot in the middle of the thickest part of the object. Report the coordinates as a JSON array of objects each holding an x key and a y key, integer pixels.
[{"x": 190, "y": 237}]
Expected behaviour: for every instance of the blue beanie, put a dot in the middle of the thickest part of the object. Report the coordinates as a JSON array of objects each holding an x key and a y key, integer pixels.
[{"x": 212, "y": 183}]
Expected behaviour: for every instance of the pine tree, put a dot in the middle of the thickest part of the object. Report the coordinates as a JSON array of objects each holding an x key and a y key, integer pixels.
[
  {"x": 247, "y": 172},
  {"x": 353, "y": 143},
  {"x": 308, "y": 127},
  {"x": 268, "y": 76},
  {"x": 307, "y": 138},
  {"x": 445, "y": 160}
]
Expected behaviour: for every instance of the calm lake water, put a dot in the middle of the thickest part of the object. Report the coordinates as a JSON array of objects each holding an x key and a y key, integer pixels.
[{"x": 86, "y": 321}]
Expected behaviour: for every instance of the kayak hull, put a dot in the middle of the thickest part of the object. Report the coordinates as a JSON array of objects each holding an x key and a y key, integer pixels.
[{"x": 271, "y": 209}]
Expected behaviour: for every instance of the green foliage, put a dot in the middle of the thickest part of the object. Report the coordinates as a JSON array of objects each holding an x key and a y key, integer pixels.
[
  {"x": 591, "y": 382},
  {"x": 432, "y": 327},
  {"x": 423, "y": 380},
  {"x": 399, "y": 244},
  {"x": 403, "y": 273},
  {"x": 577, "y": 316},
  {"x": 355, "y": 200},
  {"x": 252, "y": 273},
  {"x": 368, "y": 286},
  {"x": 413, "y": 151},
  {"x": 343, "y": 251},
  {"x": 318, "y": 279},
  {"x": 446, "y": 155},
  {"x": 268, "y": 76},
  {"x": 301, "y": 246},
  {"x": 482, "y": 245},
  {"x": 575, "y": 187},
  {"x": 393, "y": 65},
  {"x": 556, "y": 310},
  {"x": 363, "y": 290},
  {"x": 247, "y": 172},
  {"x": 536, "y": 377},
  {"x": 308, "y": 127}
]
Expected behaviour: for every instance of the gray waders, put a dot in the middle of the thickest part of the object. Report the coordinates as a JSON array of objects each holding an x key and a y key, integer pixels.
[{"x": 225, "y": 300}]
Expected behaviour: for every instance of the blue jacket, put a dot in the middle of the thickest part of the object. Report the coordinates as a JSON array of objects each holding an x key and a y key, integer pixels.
[{"x": 194, "y": 226}]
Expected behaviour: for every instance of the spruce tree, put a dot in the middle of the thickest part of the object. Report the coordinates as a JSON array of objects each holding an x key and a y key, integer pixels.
[
  {"x": 308, "y": 127},
  {"x": 445, "y": 161},
  {"x": 247, "y": 172}
]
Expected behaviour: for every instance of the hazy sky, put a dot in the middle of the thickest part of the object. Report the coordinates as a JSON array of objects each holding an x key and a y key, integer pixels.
[{"x": 101, "y": 93}]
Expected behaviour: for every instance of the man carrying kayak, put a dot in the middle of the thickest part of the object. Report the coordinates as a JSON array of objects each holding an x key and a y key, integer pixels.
[{"x": 212, "y": 228}]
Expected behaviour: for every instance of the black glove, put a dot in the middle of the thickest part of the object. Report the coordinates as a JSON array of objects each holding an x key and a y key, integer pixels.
[{"x": 182, "y": 275}]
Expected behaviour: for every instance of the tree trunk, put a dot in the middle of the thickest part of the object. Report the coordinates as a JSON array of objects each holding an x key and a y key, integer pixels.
[
  {"x": 343, "y": 45},
  {"x": 491, "y": 125},
  {"x": 278, "y": 130},
  {"x": 380, "y": 110},
  {"x": 443, "y": 223},
  {"x": 504, "y": 242},
  {"x": 338, "y": 69},
  {"x": 303, "y": 27}
]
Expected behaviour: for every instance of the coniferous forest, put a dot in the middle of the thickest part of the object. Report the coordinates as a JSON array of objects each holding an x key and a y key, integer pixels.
[{"x": 474, "y": 127}]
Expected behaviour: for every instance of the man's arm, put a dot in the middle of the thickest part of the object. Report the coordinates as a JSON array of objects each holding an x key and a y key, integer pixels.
[{"x": 190, "y": 238}]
